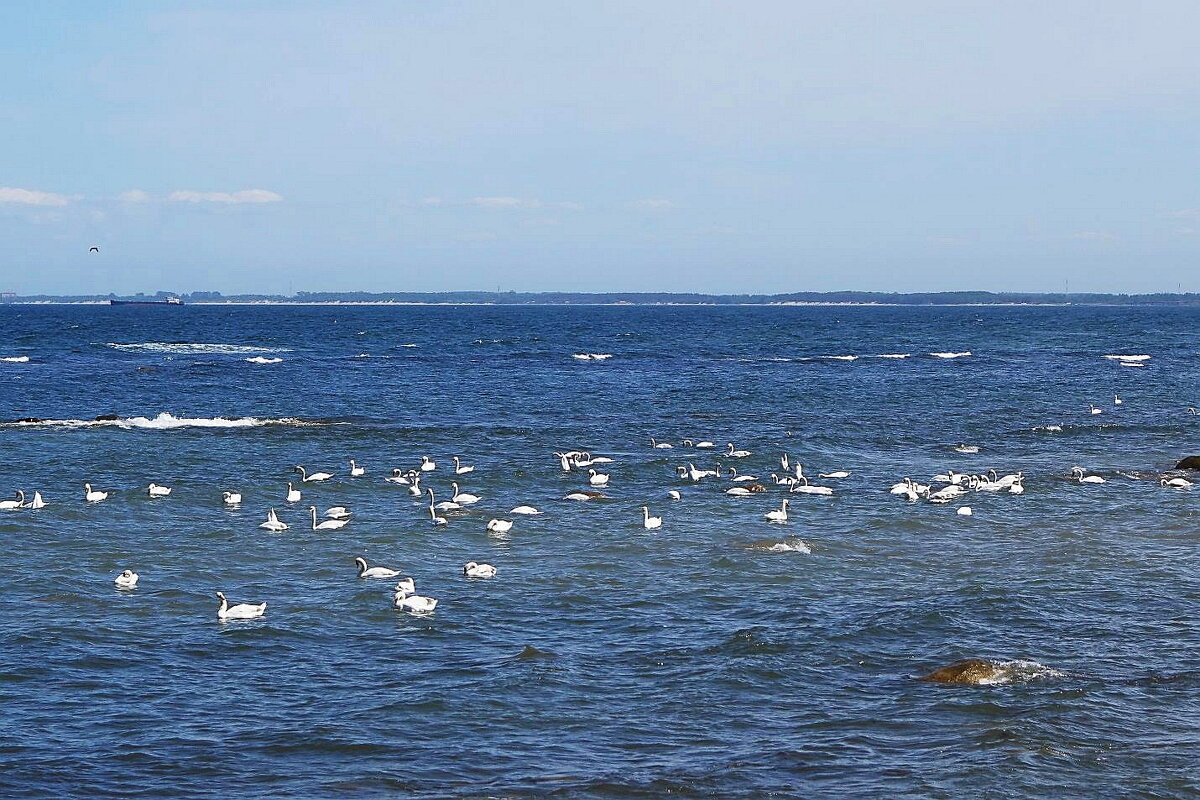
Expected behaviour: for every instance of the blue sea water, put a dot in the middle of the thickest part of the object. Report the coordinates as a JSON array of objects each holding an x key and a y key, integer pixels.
[{"x": 603, "y": 660}]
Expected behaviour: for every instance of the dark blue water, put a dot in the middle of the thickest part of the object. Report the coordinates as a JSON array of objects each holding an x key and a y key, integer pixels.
[{"x": 690, "y": 661}]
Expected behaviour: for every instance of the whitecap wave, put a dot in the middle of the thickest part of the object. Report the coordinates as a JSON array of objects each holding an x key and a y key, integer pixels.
[
  {"x": 841, "y": 358},
  {"x": 1132, "y": 364},
  {"x": 163, "y": 421},
  {"x": 893, "y": 355},
  {"x": 592, "y": 356},
  {"x": 1047, "y": 429},
  {"x": 951, "y": 355},
  {"x": 1128, "y": 358},
  {"x": 1020, "y": 670},
  {"x": 263, "y": 360},
  {"x": 194, "y": 348},
  {"x": 15, "y": 359}
]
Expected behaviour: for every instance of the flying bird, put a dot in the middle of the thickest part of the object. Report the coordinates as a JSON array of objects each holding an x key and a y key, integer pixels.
[{"x": 93, "y": 249}]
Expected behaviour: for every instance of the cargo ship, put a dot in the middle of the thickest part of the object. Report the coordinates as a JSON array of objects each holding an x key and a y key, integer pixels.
[{"x": 170, "y": 301}]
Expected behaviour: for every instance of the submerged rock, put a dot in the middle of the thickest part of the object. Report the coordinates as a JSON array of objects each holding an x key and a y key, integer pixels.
[
  {"x": 1190, "y": 462},
  {"x": 982, "y": 672}
]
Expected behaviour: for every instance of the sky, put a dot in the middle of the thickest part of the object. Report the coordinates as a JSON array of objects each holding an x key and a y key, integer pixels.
[{"x": 273, "y": 147}]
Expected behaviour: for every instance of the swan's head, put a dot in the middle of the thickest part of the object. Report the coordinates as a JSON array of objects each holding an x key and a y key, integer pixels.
[
  {"x": 361, "y": 562},
  {"x": 87, "y": 487},
  {"x": 298, "y": 468},
  {"x": 454, "y": 485},
  {"x": 127, "y": 573},
  {"x": 313, "y": 509},
  {"x": 470, "y": 565},
  {"x": 221, "y": 596}
]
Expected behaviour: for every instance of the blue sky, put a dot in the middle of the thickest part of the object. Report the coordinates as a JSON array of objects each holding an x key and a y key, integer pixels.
[{"x": 695, "y": 146}]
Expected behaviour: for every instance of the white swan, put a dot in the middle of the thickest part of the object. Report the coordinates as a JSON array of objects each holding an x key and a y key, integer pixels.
[
  {"x": 581, "y": 496},
  {"x": 648, "y": 522},
  {"x": 461, "y": 469},
  {"x": 784, "y": 464},
  {"x": 966, "y": 448},
  {"x": 738, "y": 491},
  {"x": 93, "y": 496},
  {"x": 231, "y": 498},
  {"x": 841, "y": 473},
  {"x": 433, "y": 517},
  {"x": 1094, "y": 409},
  {"x": 414, "y": 488},
  {"x": 597, "y": 478},
  {"x": 674, "y": 494},
  {"x": 903, "y": 487},
  {"x": 293, "y": 495},
  {"x": 398, "y": 477},
  {"x": 1176, "y": 483},
  {"x": 316, "y": 477},
  {"x": 154, "y": 490},
  {"x": 463, "y": 498},
  {"x": 13, "y": 505},
  {"x": 731, "y": 453},
  {"x": 778, "y": 515},
  {"x": 373, "y": 572},
  {"x": 338, "y": 512},
  {"x": 705, "y": 445},
  {"x": 499, "y": 525},
  {"x": 428, "y": 464},
  {"x": 273, "y": 523},
  {"x": 527, "y": 510},
  {"x": 406, "y": 585},
  {"x": 964, "y": 511},
  {"x": 1017, "y": 487},
  {"x": 126, "y": 580},
  {"x": 474, "y": 570},
  {"x": 660, "y": 445},
  {"x": 804, "y": 488},
  {"x": 1117, "y": 400},
  {"x": 785, "y": 480},
  {"x": 37, "y": 501},
  {"x": 356, "y": 471},
  {"x": 1078, "y": 473},
  {"x": 240, "y": 611},
  {"x": 325, "y": 525},
  {"x": 733, "y": 476},
  {"x": 414, "y": 603}
]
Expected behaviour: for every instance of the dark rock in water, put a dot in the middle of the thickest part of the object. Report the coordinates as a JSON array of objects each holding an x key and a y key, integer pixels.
[
  {"x": 29, "y": 419},
  {"x": 1191, "y": 462},
  {"x": 107, "y": 418},
  {"x": 147, "y": 369},
  {"x": 969, "y": 671},
  {"x": 532, "y": 652}
]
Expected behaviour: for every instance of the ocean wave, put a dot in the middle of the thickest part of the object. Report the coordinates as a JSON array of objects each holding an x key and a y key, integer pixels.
[
  {"x": 263, "y": 360},
  {"x": 841, "y": 358},
  {"x": 951, "y": 355},
  {"x": 15, "y": 359},
  {"x": 592, "y": 356},
  {"x": 1128, "y": 358},
  {"x": 163, "y": 421},
  {"x": 893, "y": 355},
  {"x": 1132, "y": 364},
  {"x": 194, "y": 348}
]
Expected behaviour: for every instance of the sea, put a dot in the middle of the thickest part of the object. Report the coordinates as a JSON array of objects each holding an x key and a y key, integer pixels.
[{"x": 721, "y": 655}]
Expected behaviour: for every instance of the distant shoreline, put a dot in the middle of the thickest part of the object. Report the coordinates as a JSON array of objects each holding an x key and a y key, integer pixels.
[{"x": 686, "y": 299}]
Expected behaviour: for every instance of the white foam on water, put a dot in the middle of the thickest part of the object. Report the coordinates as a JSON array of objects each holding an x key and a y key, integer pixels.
[
  {"x": 165, "y": 421},
  {"x": 194, "y": 348},
  {"x": 1128, "y": 358},
  {"x": 951, "y": 355},
  {"x": 893, "y": 355},
  {"x": 263, "y": 360},
  {"x": 592, "y": 356},
  {"x": 842, "y": 358},
  {"x": 15, "y": 359},
  {"x": 1020, "y": 670}
]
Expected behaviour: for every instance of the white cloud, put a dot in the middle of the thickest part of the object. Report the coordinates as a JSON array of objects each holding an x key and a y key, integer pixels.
[
  {"x": 431, "y": 201},
  {"x": 134, "y": 196},
  {"x": 1094, "y": 236},
  {"x": 503, "y": 202},
  {"x": 229, "y": 198},
  {"x": 32, "y": 197},
  {"x": 1186, "y": 213},
  {"x": 655, "y": 203}
]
